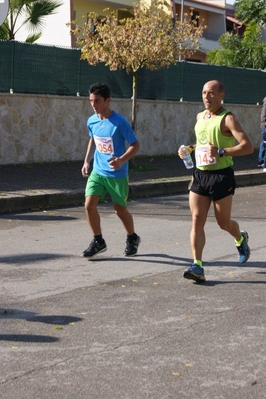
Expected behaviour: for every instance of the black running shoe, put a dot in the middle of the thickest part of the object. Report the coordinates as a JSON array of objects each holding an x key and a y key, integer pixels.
[
  {"x": 94, "y": 249},
  {"x": 132, "y": 247}
]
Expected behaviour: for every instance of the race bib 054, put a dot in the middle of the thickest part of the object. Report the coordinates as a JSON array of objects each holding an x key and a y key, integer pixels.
[{"x": 104, "y": 144}]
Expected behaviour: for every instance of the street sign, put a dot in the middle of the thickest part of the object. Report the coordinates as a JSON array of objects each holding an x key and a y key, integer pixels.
[{"x": 4, "y": 6}]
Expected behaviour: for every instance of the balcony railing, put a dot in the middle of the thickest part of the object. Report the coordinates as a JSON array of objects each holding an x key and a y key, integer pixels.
[{"x": 211, "y": 36}]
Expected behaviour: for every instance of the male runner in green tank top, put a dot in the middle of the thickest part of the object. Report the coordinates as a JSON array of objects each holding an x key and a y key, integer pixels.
[{"x": 219, "y": 137}]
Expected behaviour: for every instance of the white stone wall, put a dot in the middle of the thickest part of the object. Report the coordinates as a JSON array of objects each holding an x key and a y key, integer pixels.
[{"x": 38, "y": 128}]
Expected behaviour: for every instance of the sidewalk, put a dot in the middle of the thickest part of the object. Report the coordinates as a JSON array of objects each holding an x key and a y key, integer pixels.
[{"x": 24, "y": 187}]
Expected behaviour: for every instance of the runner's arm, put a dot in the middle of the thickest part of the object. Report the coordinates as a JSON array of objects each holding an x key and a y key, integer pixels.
[
  {"x": 88, "y": 157},
  {"x": 231, "y": 127},
  {"x": 132, "y": 150},
  {"x": 244, "y": 145}
]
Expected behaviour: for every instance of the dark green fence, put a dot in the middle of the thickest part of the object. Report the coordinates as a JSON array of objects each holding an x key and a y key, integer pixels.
[{"x": 38, "y": 69}]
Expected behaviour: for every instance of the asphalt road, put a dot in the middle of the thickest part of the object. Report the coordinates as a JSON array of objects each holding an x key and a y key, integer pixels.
[{"x": 132, "y": 328}]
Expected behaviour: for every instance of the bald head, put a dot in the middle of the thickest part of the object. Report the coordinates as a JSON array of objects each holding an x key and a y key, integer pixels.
[{"x": 215, "y": 85}]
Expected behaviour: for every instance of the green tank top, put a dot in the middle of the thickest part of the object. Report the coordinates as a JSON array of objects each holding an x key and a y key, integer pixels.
[{"x": 209, "y": 131}]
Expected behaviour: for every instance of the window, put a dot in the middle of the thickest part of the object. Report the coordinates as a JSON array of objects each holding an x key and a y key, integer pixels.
[
  {"x": 194, "y": 16},
  {"x": 93, "y": 25},
  {"x": 121, "y": 14}
]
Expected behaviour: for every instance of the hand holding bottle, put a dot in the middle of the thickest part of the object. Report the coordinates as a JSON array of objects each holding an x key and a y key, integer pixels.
[{"x": 184, "y": 153}]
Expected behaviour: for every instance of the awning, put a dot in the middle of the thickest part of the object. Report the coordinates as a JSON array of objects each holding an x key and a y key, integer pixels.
[{"x": 236, "y": 21}]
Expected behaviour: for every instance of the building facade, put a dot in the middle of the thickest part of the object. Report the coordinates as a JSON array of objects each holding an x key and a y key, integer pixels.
[{"x": 211, "y": 13}]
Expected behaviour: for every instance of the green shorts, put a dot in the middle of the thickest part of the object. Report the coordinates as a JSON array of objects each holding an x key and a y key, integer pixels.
[{"x": 116, "y": 187}]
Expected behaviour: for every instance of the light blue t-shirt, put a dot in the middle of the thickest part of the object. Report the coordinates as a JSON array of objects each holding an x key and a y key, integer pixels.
[{"x": 110, "y": 136}]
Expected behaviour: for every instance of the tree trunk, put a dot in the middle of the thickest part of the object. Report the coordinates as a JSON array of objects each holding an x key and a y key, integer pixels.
[
  {"x": 134, "y": 100},
  {"x": 134, "y": 109}
]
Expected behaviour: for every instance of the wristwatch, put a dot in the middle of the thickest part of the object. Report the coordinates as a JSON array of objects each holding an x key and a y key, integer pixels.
[{"x": 220, "y": 152}]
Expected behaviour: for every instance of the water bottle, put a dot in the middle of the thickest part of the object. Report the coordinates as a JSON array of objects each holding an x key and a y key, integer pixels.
[{"x": 188, "y": 161}]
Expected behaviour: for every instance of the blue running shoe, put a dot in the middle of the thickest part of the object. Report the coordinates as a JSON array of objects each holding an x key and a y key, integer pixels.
[
  {"x": 195, "y": 272},
  {"x": 243, "y": 249}
]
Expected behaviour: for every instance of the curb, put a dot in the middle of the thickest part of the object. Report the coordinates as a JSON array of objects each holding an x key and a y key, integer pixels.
[{"x": 23, "y": 201}]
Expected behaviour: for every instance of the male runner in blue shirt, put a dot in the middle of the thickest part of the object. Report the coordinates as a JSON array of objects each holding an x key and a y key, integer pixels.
[{"x": 109, "y": 132}]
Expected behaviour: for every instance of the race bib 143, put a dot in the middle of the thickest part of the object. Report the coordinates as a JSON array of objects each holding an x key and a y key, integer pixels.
[{"x": 202, "y": 159}]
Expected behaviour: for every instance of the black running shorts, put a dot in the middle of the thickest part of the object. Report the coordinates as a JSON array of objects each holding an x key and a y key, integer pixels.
[{"x": 216, "y": 184}]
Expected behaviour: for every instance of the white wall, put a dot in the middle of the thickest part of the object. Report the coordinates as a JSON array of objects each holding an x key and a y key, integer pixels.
[
  {"x": 55, "y": 33},
  {"x": 38, "y": 128}
]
